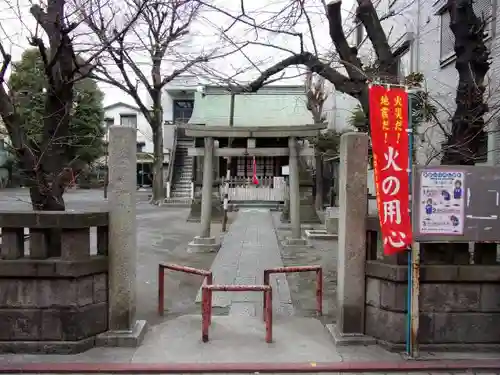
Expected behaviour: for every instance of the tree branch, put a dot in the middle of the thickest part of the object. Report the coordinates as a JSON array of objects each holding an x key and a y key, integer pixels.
[
  {"x": 342, "y": 83},
  {"x": 367, "y": 14},
  {"x": 347, "y": 54}
]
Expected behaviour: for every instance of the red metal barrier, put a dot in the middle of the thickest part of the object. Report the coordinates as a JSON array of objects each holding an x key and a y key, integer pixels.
[
  {"x": 319, "y": 281},
  {"x": 175, "y": 267},
  {"x": 206, "y": 309}
]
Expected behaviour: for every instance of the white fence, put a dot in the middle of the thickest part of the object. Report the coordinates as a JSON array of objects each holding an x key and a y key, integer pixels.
[{"x": 268, "y": 189}]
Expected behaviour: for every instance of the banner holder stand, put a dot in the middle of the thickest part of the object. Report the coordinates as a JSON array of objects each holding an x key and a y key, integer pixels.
[
  {"x": 413, "y": 287},
  {"x": 412, "y": 248}
]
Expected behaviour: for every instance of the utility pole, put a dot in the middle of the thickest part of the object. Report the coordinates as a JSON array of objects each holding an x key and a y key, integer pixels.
[
  {"x": 228, "y": 172},
  {"x": 417, "y": 41},
  {"x": 106, "y": 176}
]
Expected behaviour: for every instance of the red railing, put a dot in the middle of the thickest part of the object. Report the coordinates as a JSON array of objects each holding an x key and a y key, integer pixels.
[
  {"x": 319, "y": 281},
  {"x": 206, "y": 309},
  {"x": 208, "y": 279}
]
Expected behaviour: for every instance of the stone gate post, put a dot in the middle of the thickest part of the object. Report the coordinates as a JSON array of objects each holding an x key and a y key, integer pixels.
[
  {"x": 205, "y": 242},
  {"x": 124, "y": 330},
  {"x": 352, "y": 240}
]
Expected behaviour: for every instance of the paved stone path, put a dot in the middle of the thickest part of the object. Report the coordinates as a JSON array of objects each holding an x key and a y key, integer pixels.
[{"x": 249, "y": 247}]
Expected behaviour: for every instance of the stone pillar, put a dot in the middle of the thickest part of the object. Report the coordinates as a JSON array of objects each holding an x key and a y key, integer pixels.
[
  {"x": 124, "y": 329},
  {"x": 206, "y": 190},
  {"x": 294, "y": 178},
  {"x": 294, "y": 188},
  {"x": 352, "y": 239},
  {"x": 205, "y": 242},
  {"x": 195, "y": 211}
]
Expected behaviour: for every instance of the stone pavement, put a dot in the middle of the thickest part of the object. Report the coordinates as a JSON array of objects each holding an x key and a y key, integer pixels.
[{"x": 249, "y": 247}]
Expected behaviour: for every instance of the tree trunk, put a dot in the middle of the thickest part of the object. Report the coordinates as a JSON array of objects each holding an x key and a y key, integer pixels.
[
  {"x": 463, "y": 144},
  {"x": 158, "y": 189},
  {"x": 319, "y": 181},
  {"x": 158, "y": 152}
]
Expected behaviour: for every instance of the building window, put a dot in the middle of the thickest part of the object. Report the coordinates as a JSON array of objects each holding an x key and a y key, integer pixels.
[
  {"x": 129, "y": 120},
  {"x": 183, "y": 109},
  {"x": 482, "y": 8}
]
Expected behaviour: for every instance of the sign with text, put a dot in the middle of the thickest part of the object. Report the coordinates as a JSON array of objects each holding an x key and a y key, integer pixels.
[
  {"x": 388, "y": 125},
  {"x": 456, "y": 204},
  {"x": 442, "y": 204}
]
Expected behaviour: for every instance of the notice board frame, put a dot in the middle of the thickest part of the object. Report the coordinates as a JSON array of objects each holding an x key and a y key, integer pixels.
[{"x": 482, "y": 204}]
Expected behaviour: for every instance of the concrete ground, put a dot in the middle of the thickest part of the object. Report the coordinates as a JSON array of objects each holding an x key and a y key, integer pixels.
[{"x": 237, "y": 335}]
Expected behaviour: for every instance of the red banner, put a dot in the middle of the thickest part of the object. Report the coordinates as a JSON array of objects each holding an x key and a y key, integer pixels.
[
  {"x": 389, "y": 124},
  {"x": 255, "y": 180}
]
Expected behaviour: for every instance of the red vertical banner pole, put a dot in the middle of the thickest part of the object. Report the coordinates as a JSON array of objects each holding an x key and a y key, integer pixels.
[{"x": 392, "y": 148}]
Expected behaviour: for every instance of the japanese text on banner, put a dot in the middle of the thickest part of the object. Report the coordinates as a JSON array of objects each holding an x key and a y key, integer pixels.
[{"x": 388, "y": 124}]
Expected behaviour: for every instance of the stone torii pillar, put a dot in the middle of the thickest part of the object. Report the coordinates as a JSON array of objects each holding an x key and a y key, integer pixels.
[
  {"x": 205, "y": 242},
  {"x": 124, "y": 330},
  {"x": 296, "y": 238}
]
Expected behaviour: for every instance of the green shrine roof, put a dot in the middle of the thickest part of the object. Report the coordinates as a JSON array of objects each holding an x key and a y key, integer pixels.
[{"x": 270, "y": 106}]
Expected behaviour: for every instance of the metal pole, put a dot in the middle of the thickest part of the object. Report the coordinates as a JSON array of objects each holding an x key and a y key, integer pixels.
[
  {"x": 413, "y": 259},
  {"x": 106, "y": 176},
  {"x": 228, "y": 172},
  {"x": 417, "y": 39}
]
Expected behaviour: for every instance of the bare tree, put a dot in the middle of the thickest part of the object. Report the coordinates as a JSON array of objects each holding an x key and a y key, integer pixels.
[
  {"x": 344, "y": 69},
  {"x": 159, "y": 40},
  {"x": 46, "y": 164},
  {"x": 316, "y": 96},
  {"x": 354, "y": 81}
]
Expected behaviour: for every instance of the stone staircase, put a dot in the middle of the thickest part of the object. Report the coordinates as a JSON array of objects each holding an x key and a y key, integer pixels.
[{"x": 183, "y": 170}]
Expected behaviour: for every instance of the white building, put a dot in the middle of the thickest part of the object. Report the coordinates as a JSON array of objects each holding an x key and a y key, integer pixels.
[
  {"x": 420, "y": 34},
  {"x": 128, "y": 115},
  {"x": 124, "y": 114}
]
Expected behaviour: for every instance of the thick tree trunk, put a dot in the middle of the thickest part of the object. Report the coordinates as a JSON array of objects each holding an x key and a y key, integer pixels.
[{"x": 463, "y": 144}]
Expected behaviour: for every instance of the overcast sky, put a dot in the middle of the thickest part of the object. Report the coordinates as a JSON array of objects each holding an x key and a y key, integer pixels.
[{"x": 16, "y": 25}]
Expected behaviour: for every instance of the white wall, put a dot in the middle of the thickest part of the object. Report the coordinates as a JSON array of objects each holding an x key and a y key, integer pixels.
[
  {"x": 338, "y": 109},
  {"x": 143, "y": 128}
]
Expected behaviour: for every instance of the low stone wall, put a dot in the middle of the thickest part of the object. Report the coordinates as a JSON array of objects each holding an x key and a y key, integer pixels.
[
  {"x": 459, "y": 303},
  {"x": 53, "y": 295}
]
